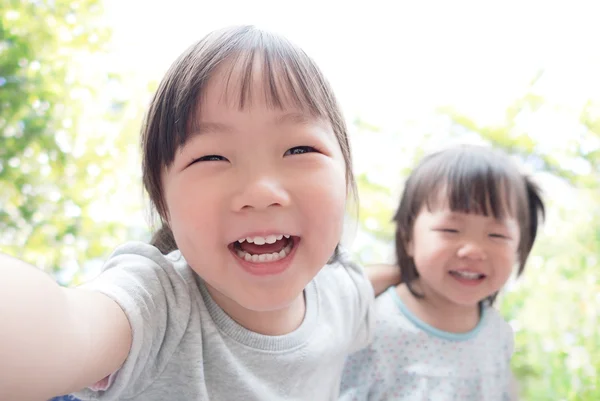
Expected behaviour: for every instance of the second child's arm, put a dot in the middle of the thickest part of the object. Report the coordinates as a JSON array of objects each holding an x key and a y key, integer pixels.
[
  {"x": 54, "y": 340},
  {"x": 383, "y": 276}
]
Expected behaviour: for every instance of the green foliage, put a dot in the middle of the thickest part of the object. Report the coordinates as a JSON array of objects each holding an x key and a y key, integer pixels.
[
  {"x": 376, "y": 207},
  {"x": 51, "y": 163},
  {"x": 557, "y": 309}
]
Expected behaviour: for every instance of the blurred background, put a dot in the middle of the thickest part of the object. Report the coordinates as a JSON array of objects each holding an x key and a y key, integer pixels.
[{"x": 76, "y": 76}]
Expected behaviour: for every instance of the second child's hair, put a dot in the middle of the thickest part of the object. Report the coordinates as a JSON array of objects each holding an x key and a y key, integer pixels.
[
  {"x": 289, "y": 78},
  {"x": 469, "y": 179}
]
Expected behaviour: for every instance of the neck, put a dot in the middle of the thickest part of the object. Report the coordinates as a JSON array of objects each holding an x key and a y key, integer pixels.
[
  {"x": 438, "y": 311},
  {"x": 272, "y": 323}
]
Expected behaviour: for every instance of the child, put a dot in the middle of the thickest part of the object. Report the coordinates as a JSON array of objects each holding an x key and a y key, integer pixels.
[
  {"x": 466, "y": 218},
  {"x": 246, "y": 159}
]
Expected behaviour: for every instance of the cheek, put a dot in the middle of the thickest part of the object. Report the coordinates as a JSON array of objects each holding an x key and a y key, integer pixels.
[
  {"x": 512, "y": 256},
  {"x": 507, "y": 251},
  {"x": 431, "y": 252},
  {"x": 183, "y": 199},
  {"x": 333, "y": 190},
  {"x": 323, "y": 196}
]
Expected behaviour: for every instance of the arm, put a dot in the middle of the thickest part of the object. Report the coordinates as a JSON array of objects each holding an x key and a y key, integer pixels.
[
  {"x": 383, "y": 276},
  {"x": 54, "y": 340}
]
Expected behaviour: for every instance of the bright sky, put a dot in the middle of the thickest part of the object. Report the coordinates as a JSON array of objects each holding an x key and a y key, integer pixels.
[{"x": 392, "y": 60}]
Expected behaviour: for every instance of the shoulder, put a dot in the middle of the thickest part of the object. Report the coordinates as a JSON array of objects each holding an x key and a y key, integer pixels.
[
  {"x": 498, "y": 331},
  {"x": 139, "y": 255},
  {"x": 345, "y": 297},
  {"x": 495, "y": 321},
  {"x": 144, "y": 281},
  {"x": 141, "y": 264}
]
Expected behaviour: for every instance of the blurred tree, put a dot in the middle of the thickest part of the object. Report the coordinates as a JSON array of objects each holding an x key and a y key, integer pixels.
[
  {"x": 57, "y": 136},
  {"x": 574, "y": 156}
]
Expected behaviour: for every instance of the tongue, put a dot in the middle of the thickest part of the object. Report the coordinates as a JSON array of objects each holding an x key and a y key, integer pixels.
[{"x": 254, "y": 249}]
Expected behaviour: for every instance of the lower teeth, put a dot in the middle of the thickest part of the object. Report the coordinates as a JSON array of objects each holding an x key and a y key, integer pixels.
[{"x": 265, "y": 257}]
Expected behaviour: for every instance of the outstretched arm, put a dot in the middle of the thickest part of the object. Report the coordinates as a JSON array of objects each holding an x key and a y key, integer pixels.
[{"x": 54, "y": 340}]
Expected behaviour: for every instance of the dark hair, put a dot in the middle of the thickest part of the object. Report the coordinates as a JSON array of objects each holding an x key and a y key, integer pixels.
[
  {"x": 290, "y": 78},
  {"x": 474, "y": 179}
]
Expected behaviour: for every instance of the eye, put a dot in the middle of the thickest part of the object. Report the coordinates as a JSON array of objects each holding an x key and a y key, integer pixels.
[
  {"x": 209, "y": 158},
  {"x": 447, "y": 230},
  {"x": 501, "y": 236},
  {"x": 300, "y": 150}
]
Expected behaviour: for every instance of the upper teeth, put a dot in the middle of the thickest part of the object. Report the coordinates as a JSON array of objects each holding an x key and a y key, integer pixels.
[
  {"x": 467, "y": 274},
  {"x": 269, "y": 239}
]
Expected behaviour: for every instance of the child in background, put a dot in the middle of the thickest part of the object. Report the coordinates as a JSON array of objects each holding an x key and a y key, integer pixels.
[
  {"x": 246, "y": 295},
  {"x": 467, "y": 217}
]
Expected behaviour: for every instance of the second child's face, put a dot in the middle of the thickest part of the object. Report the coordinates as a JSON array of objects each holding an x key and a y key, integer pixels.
[
  {"x": 256, "y": 199},
  {"x": 463, "y": 258}
]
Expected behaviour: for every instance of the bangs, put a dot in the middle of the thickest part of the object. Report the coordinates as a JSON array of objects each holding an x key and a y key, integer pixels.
[
  {"x": 469, "y": 182},
  {"x": 264, "y": 68},
  {"x": 284, "y": 77}
]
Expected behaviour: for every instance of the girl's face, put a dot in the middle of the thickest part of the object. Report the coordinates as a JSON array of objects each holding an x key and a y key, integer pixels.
[
  {"x": 256, "y": 199},
  {"x": 463, "y": 258}
]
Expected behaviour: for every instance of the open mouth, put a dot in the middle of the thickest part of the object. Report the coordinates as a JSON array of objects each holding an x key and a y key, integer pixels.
[
  {"x": 467, "y": 275},
  {"x": 271, "y": 248}
]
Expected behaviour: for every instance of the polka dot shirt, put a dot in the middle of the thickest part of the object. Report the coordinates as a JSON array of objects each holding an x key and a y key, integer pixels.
[{"x": 411, "y": 360}]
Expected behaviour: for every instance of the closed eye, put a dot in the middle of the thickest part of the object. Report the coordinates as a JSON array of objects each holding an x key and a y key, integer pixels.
[
  {"x": 300, "y": 150},
  {"x": 209, "y": 158},
  {"x": 447, "y": 230},
  {"x": 501, "y": 236}
]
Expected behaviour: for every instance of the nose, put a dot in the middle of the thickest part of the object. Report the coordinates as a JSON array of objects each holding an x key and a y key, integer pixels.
[
  {"x": 260, "y": 194},
  {"x": 472, "y": 250}
]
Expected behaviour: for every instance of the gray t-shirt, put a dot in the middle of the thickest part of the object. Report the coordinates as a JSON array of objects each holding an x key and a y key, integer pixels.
[{"x": 185, "y": 347}]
